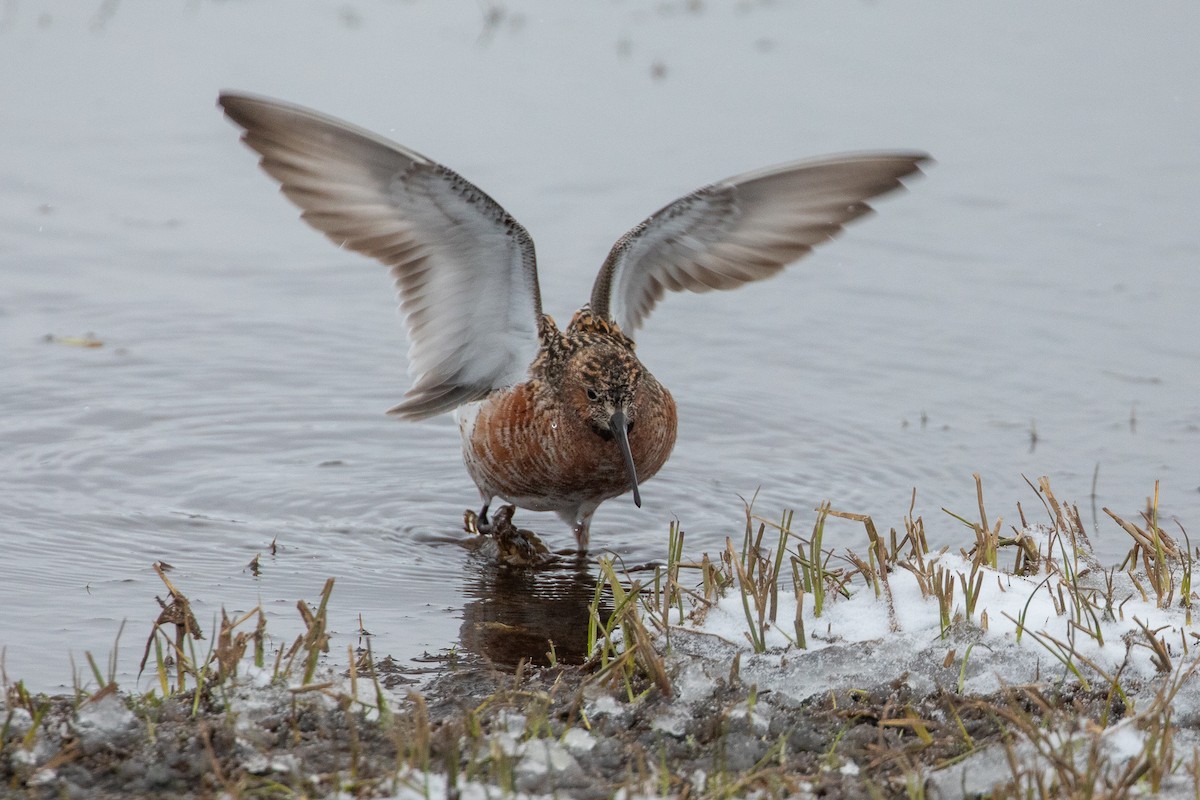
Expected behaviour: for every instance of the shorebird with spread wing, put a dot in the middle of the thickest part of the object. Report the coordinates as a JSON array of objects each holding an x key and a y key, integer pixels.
[{"x": 551, "y": 420}]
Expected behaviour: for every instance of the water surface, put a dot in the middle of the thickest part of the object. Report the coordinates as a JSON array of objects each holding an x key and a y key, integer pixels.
[{"x": 1027, "y": 309}]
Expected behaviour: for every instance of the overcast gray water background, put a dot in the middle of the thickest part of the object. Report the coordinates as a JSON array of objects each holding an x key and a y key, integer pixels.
[{"x": 1042, "y": 278}]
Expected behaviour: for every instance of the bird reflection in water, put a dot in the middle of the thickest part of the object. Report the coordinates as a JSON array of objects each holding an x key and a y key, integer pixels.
[{"x": 523, "y": 598}]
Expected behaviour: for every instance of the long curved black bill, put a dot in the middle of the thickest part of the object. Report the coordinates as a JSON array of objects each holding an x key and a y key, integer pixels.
[{"x": 618, "y": 424}]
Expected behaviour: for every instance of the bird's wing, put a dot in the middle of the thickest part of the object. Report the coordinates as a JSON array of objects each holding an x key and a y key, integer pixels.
[
  {"x": 465, "y": 270},
  {"x": 741, "y": 229}
]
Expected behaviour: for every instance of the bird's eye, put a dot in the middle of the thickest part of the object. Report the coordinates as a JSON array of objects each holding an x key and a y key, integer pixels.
[{"x": 593, "y": 395}]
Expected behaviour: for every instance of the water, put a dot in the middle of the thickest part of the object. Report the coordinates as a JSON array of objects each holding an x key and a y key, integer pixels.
[{"x": 1027, "y": 309}]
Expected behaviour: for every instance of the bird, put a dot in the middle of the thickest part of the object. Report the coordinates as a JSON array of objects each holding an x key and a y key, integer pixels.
[{"x": 551, "y": 419}]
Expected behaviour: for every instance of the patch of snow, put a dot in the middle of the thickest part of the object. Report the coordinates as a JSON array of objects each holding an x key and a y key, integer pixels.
[
  {"x": 418, "y": 785},
  {"x": 604, "y": 705},
  {"x": 18, "y": 719},
  {"x": 542, "y": 756},
  {"x": 258, "y": 677},
  {"x": 43, "y": 777},
  {"x": 858, "y": 639},
  {"x": 1125, "y": 740},
  {"x": 578, "y": 740},
  {"x": 26, "y": 756},
  {"x": 692, "y": 687},
  {"x": 103, "y": 718}
]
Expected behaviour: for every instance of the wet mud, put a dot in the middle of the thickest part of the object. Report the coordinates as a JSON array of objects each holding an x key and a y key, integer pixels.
[{"x": 536, "y": 731}]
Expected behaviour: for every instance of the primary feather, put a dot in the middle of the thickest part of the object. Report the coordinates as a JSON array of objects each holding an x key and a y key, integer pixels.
[
  {"x": 741, "y": 229},
  {"x": 465, "y": 270}
]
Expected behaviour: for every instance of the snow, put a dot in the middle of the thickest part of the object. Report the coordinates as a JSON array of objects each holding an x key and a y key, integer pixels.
[
  {"x": 101, "y": 719},
  {"x": 604, "y": 704},
  {"x": 857, "y": 637},
  {"x": 423, "y": 785},
  {"x": 577, "y": 740}
]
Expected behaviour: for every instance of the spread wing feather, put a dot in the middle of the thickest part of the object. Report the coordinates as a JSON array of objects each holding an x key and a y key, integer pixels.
[
  {"x": 465, "y": 270},
  {"x": 742, "y": 229}
]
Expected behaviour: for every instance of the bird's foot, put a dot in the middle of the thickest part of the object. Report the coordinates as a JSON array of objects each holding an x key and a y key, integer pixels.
[
  {"x": 473, "y": 525},
  {"x": 478, "y": 524}
]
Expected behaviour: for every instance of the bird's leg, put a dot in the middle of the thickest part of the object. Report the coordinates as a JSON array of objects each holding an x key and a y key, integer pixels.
[
  {"x": 580, "y": 520},
  {"x": 478, "y": 523},
  {"x": 581, "y": 527}
]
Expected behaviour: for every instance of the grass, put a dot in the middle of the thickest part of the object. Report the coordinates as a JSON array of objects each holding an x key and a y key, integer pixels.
[
  {"x": 638, "y": 695},
  {"x": 199, "y": 693},
  {"x": 1050, "y": 754},
  {"x": 1064, "y": 571}
]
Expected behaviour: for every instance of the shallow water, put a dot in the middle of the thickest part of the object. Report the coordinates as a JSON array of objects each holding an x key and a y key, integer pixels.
[{"x": 1027, "y": 309}]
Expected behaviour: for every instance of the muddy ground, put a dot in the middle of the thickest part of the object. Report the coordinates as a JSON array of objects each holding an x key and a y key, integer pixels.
[{"x": 540, "y": 731}]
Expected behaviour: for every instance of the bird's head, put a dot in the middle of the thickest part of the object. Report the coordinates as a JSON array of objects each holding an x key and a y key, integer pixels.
[{"x": 600, "y": 386}]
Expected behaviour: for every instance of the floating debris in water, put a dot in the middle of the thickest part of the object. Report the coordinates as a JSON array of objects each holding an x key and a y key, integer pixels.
[
  {"x": 516, "y": 547},
  {"x": 87, "y": 340}
]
